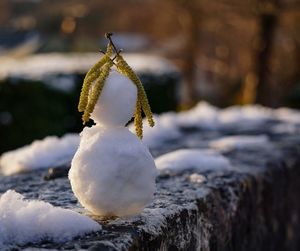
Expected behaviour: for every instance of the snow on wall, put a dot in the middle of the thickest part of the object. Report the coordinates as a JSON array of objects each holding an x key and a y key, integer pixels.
[
  {"x": 239, "y": 142},
  {"x": 49, "y": 152},
  {"x": 53, "y": 151},
  {"x": 23, "y": 221},
  {"x": 249, "y": 114},
  {"x": 192, "y": 159}
]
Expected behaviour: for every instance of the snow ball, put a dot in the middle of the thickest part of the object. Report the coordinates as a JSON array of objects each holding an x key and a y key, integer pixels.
[
  {"x": 23, "y": 221},
  {"x": 116, "y": 104},
  {"x": 239, "y": 142},
  {"x": 197, "y": 178},
  {"x": 192, "y": 159},
  {"x": 40, "y": 154},
  {"x": 113, "y": 173}
]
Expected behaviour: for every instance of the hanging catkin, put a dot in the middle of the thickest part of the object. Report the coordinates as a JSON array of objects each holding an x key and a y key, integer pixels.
[
  {"x": 138, "y": 119},
  {"x": 90, "y": 77},
  {"x": 94, "y": 82},
  {"x": 96, "y": 89},
  {"x": 125, "y": 69}
]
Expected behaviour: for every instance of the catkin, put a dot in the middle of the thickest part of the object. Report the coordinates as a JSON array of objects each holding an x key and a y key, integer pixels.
[
  {"x": 96, "y": 90},
  {"x": 95, "y": 79},
  {"x": 138, "y": 119},
  {"x": 125, "y": 69},
  {"x": 90, "y": 77}
]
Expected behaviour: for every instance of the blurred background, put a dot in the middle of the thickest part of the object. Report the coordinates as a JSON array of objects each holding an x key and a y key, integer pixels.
[{"x": 226, "y": 52}]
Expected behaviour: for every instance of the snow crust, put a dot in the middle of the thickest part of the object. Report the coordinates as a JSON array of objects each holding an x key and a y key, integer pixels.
[
  {"x": 116, "y": 104},
  {"x": 239, "y": 142},
  {"x": 51, "y": 151},
  {"x": 23, "y": 221},
  {"x": 112, "y": 172},
  {"x": 192, "y": 159}
]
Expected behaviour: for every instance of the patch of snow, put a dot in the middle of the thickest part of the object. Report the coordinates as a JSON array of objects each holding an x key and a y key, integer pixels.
[
  {"x": 197, "y": 178},
  {"x": 285, "y": 128},
  {"x": 155, "y": 219},
  {"x": 203, "y": 115},
  {"x": 288, "y": 115},
  {"x": 239, "y": 142},
  {"x": 53, "y": 151},
  {"x": 149, "y": 63},
  {"x": 40, "y": 154},
  {"x": 248, "y": 115},
  {"x": 192, "y": 159},
  {"x": 23, "y": 221}
]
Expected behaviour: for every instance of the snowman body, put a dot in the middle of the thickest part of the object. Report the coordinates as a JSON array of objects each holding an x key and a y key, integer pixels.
[{"x": 112, "y": 172}]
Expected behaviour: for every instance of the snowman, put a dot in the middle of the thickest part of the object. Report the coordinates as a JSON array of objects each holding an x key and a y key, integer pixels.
[{"x": 112, "y": 172}]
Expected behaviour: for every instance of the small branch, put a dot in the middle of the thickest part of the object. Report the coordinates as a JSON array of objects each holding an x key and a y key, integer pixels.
[
  {"x": 101, "y": 51},
  {"x": 108, "y": 35}
]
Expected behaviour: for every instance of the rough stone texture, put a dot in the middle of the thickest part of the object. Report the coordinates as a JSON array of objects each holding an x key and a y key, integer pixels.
[{"x": 255, "y": 206}]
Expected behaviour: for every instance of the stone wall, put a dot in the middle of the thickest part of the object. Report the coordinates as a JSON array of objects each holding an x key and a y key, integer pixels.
[{"x": 254, "y": 206}]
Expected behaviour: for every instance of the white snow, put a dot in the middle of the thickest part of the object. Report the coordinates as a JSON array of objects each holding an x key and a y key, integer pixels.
[
  {"x": 116, "y": 104},
  {"x": 288, "y": 115},
  {"x": 23, "y": 221},
  {"x": 51, "y": 151},
  {"x": 245, "y": 115},
  {"x": 39, "y": 65},
  {"x": 287, "y": 128},
  {"x": 239, "y": 142},
  {"x": 203, "y": 115},
  {"x": 112, "y": 172},
  {"x": 197, "y": 178},
  {"x": 192, "y": 159}
]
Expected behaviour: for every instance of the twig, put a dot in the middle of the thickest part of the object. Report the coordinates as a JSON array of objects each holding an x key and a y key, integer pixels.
[{"x": 108, "y": 35}]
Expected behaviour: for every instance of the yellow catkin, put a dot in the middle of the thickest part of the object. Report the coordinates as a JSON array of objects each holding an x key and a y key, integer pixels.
[
  {"x": 138, "y": 119},
  {"x": 125, "y": 69},
  {"x": 96, "y": 90},
  {"x": 90, "y": 77}
]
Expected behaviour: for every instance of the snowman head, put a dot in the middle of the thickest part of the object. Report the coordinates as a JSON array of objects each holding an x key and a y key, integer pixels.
[
  {"x": 111, "y": 97},
  {"x": 117, "y": 101}
]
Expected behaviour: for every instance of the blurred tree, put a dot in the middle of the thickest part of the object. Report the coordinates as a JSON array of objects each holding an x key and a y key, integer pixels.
[
  {"x": 189, "y": 15},
  {"x": 230, "y": 51},
  {"x": 267, "y": 21}
]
